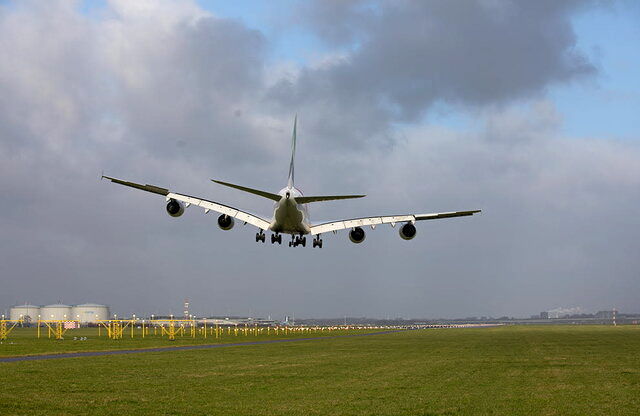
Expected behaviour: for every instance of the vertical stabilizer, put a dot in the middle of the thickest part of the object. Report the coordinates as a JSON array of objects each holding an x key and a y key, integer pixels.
[{"x": 293, "y": 154}]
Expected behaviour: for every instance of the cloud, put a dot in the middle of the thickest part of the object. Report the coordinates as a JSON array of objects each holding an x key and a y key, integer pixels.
[
  {"x": 399, "y": 59},
  {"x": 167, "y": 93}
]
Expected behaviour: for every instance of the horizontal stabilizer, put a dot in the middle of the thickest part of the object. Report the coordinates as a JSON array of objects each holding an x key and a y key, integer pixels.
[
  {"x": 264, "y": 194},
  {"x": 307, "y": 199}
]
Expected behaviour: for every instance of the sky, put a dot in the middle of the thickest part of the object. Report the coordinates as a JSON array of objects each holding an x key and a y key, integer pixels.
[{"x": 526, "y": 110}]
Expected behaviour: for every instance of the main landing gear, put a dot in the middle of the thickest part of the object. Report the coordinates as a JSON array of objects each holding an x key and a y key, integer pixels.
[
  {"x": 298, "y": 241},
  {"x": 276, "y": 238}
]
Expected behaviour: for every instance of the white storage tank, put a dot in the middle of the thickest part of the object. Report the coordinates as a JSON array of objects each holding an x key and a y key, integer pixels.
[
  {"x": 89, "y": 313},
  {"x": 28, "y": 313},
  {"x": 56, "y": 312}
]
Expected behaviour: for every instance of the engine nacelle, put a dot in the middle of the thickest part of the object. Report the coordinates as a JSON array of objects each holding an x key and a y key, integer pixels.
[
  {"x": 357, "y": 235},
  {"x": 407, "y": 231},
  {"x": 225, "y": 222},
  {"x": 175, "y": 208}
]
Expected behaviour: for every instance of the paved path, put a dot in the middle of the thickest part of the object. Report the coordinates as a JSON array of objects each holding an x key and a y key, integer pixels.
[{"x": 177, "y": 348}]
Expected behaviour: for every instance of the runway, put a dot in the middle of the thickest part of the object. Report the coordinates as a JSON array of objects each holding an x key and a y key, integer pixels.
[{"x": 177, "y": 348}]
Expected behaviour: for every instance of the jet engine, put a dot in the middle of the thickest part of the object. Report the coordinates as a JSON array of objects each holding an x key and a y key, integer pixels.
[
  {"x": 225, "y": 222},
  {"x": 407, "y": 231},
  {"x": 175, "y": 208},
  {"x": 357, "y": 235}
]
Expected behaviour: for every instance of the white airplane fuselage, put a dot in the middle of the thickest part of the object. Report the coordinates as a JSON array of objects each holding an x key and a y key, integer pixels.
[{"x": 289, "y": 217}]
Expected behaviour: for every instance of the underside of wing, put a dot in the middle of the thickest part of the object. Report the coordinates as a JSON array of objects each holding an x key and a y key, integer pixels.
[
  {"x": 202, "y": 203},
  {"x": 373, "y": 221},
  {"x": 222, "y": 209}
]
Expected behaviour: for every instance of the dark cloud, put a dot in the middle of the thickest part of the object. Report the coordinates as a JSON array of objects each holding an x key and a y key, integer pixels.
[
  {"x": 165, "y": 93},
  {"x": 410, "y": 55}
]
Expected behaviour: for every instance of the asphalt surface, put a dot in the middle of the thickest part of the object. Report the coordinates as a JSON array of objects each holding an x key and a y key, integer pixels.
[{"x": 176, "y": 348}]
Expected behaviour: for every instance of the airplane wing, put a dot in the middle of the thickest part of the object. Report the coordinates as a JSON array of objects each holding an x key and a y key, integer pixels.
[
  {"x": 373, "y": 221},
  {"x": 202, "y": 203}
]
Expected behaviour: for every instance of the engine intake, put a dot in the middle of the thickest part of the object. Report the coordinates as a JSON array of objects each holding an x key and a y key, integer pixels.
[
  {"x": 175, "y": 208},
  {"x": 407, "y": 231},
  {"x": 357, "y": 235},
  {"x": 225, "y": 222}
]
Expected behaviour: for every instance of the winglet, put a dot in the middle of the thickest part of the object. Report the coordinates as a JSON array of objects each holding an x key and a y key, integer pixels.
[{"x": 290, "y": 182}]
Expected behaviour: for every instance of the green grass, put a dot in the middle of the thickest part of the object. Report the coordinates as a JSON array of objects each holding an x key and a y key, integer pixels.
[
  {"x": 24, "y": 341},
  {"x": 559, "y": 370}
]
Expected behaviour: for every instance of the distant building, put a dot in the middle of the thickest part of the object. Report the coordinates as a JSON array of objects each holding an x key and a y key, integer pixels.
[
  {"x": 544, "y": 315},
  {"x": 604, "y": 315}
]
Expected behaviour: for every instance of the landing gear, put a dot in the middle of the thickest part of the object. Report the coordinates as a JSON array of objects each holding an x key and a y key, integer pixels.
[
  {"x": 261, "y": 237},
  {"x": 276, "y": 238},
  {"x": 298, "y": 241},
  {"x": 317, "y": 242}
]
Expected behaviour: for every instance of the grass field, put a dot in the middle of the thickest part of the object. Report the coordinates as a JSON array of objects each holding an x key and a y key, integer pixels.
[
  {"x": 24, "y": 341},
  {"x": 554, "y": 370}
]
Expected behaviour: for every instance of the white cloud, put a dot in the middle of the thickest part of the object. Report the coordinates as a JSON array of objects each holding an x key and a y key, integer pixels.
[{"x": 164, "y": 92}]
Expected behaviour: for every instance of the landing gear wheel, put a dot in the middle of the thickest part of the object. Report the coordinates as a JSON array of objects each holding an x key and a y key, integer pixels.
[
  {"x": 303, "y": 241},
  {"x": 261, "y": 237}
]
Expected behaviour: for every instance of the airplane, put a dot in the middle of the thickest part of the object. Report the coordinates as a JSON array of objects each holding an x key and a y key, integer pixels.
[{"x": 291, "y": 215}]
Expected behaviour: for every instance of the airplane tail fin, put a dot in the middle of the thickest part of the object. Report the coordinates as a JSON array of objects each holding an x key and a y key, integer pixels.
[{"x": 290, "y": 181}]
